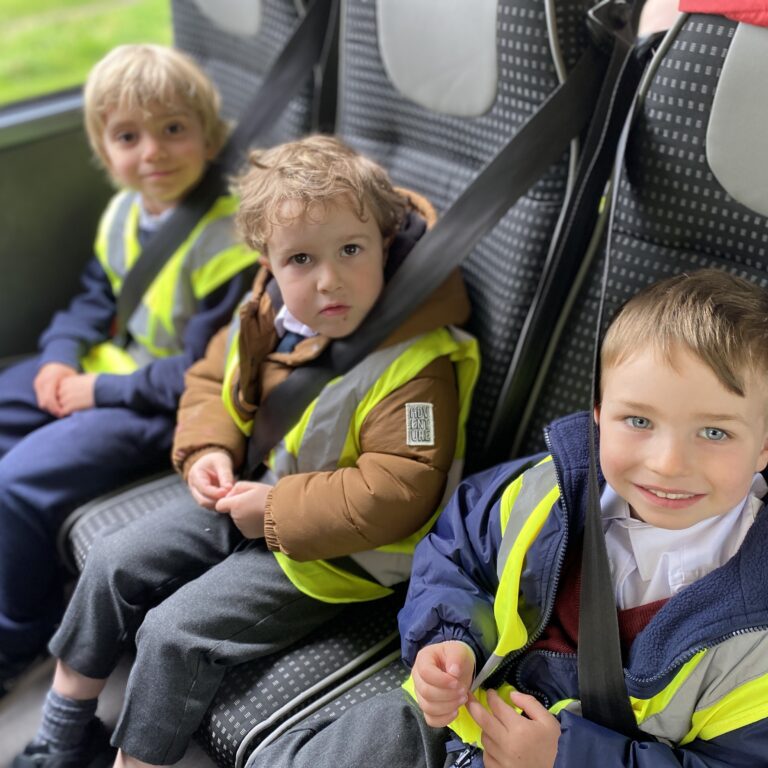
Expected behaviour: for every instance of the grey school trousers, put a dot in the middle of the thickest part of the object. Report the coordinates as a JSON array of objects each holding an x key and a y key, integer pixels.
[
  {"x": 386, "y": 731},
  {"x": 199, "y": 598}
]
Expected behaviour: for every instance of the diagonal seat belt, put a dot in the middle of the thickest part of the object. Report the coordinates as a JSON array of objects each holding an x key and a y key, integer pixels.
[
  {"x": 539, "y": 143},
  {"x": 304, "y": 49}
]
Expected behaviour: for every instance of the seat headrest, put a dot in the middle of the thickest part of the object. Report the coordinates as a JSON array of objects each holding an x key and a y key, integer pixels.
[
  {"x": 441, "y": 53},
  {"x": 238, "y": 17},
  {"x": 737, "y": 139}
]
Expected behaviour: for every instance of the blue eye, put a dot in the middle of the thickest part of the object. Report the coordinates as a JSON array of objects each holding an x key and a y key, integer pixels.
[
  {"x": 713, "y": 433},
  {"x": 638, "y": 422}
]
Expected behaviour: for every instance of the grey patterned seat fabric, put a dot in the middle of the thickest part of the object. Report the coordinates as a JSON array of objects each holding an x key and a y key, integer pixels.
[
  {"x": 672, "y": 214},
  {"x": 436, "y": 154},
  {"x": 236, "y": 43}
]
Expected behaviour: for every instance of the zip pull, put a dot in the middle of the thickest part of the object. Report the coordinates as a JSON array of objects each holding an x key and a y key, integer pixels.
[{"x": 464, "y": 760}]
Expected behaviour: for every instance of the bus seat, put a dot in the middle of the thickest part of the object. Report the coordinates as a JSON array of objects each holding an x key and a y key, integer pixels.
[
  {"x": 428, "y": 142},
  {"x": 673, "y": 211}
]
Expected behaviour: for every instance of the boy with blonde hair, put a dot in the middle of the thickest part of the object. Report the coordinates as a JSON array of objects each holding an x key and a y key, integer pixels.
[
  {"x": 90, "y": 413},
  {"x": 351, "y": 487},
  {"x": 490, "y": 625}
]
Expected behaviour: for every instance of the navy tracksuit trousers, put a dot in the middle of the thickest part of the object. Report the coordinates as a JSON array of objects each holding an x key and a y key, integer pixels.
[{"x": 48, "y": 467}]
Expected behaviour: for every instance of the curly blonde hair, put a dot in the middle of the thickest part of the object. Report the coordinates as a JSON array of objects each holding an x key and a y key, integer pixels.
[
  {"x": 137, "y": 76},
  {"x": 312, "y": 171}
]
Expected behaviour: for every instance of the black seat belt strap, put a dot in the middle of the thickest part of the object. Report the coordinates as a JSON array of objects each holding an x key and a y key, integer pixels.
[
  {"x": 602, "y": 688},
  {"x": 286, "y": 75},
  {"x": 540, "y": 142}
]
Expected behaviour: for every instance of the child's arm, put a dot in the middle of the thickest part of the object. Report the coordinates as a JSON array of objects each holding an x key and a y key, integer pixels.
[
  {"x": 83, "y": 324},
  {"x": 159, "y": 385},
  {"x": 203, "y": 424},
  {"x": 389, "y": 494}
]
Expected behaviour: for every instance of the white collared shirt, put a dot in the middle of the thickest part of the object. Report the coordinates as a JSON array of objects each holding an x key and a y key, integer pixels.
[
  {"x": 285, "y": 321},
  {"x": 649, "y": 563},
  {"x": 151, "y": 222}
]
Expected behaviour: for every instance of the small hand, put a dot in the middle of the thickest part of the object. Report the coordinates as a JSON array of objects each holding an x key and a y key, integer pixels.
[
  {"x": 46, "y": 386},
  {"x": 442, "y": 676},
  {"x": 245, "y": 504},
  {"x": 76, "y": 393},
  {"x": 512, "y": 741},
  {"x": 211, "y": 478}
]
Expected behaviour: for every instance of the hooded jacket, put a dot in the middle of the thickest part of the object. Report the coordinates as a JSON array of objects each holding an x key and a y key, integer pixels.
[
  {"x": 394, "y": 488},
  {"x": 697, "y": 674}
]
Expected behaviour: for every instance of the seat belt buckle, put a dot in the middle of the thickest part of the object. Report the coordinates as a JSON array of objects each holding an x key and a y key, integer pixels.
[
  {"x": 608, "y": 20},
  {"x": 463, "y": 759}
]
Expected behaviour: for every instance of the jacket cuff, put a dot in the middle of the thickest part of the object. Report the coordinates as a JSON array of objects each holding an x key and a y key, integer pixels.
[
  {"x": 111, "y": 390},
  {"x": 270, "y": 530},
  {"x": 65, "y": 351}
]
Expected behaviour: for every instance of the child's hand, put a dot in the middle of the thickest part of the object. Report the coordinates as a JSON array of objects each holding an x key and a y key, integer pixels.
[
  {"x": 211, "y": 478},
  {"x": 76, "y": 393},
  {"x": 511, "y": 740},
  {"x": 442, "y": 676},
  {"x": 46, "y": 386},
  {"x": 245, "y": 505}
]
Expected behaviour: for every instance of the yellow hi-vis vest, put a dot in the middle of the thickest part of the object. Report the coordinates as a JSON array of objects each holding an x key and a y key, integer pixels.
[
  {"x": 327, "y": 437},
  {"x": 207, "y": 259},
  {"x": 719, "y": 689}
]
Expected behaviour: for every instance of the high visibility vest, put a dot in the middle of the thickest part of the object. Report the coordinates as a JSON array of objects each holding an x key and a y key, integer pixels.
[
  {"x": 327, "y": 437},
  {"x": 208, "y": 258},
  {"x": 717, "y": 690}
]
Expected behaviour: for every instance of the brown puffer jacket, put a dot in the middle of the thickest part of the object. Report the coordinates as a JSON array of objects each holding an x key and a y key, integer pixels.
[{"x": 394, "y": 488}]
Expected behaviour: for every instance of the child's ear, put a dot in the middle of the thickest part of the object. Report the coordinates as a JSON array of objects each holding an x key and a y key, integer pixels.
[
  {"x": 264, "y": 262},
  {"x": 762, "y": 459},
  {"x": 596, "y": 413}
]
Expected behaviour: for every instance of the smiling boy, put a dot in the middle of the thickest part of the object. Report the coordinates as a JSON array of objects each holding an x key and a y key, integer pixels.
[
  {"x": 92, "y": 412},
  {"x": 491, "y": 618},
  {"x": 257, "y": 565}
]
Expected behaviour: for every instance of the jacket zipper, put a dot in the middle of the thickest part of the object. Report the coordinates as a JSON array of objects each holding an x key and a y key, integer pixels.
[{"x": 509, "y": 660}]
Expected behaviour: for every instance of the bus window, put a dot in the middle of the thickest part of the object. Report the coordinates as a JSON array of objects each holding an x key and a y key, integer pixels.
[{"x": 49, "y": 45}]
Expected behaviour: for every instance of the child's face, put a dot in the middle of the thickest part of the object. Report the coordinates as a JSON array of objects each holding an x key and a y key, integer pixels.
[
  {"x": 329, "y": 266},
  {"x": 674, "y": 442},
  {"x": 161, "y": 153}
]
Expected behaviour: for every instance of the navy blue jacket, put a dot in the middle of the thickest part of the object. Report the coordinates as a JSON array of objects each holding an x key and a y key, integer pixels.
[{"x": 697, "y": 673}]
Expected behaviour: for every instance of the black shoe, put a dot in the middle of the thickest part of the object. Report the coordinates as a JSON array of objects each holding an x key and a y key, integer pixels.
[{"x": 94, "y": 752}]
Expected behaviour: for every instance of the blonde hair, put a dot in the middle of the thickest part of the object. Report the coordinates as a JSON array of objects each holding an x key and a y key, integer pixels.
[
  {"x": 137, "y": 76},
  {"x": 720, "y": 318},
  {"x": 312, "y": 171}
]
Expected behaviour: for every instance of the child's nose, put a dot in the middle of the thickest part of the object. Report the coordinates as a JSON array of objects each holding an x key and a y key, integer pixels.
[
  {"x": 152, "y": 148},
  {"x": 668, "y": 456},
  {"x": 328, "y": 278}
]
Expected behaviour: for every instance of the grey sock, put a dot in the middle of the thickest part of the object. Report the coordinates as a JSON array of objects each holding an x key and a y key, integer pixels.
[{"x": 64, "y": 721}]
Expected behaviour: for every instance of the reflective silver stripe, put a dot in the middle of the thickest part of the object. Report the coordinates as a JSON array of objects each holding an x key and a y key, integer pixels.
[
  {"x": 387, "y": 568},
  {"x": 326, "y": 431},
  {"x": 723, "y": 669},
  {"x": 283, "y": 463},
  {"x": 537, "y": 482},
  {"x": 115, "y": 240}
]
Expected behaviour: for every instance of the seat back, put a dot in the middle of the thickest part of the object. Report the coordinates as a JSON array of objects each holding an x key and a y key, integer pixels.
[
  {"x": 394, "y": 57},
  {"x": 236, "y": 42},
  {"x": 672, "y": 212}
]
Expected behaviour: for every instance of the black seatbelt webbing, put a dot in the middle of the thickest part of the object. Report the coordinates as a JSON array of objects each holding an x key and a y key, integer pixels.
[
  {"x": 286, "y": 75},
  {"x": 535, "y": 147},
  {"x": 602, "y": 688}
]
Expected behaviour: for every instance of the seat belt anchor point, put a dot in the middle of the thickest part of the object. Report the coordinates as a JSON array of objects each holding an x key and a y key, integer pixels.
[{"x": 608, "y": 20}]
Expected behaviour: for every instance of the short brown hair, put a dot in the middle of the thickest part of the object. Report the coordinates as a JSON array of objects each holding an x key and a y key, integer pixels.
[
  {"x": 135, "y": 76},
  {"x": 720, "y": 318},
  {"x": 312, "y": 171}
]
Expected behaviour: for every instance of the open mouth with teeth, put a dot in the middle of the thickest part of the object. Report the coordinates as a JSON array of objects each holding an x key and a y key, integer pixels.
[{"x": 669, "y": 498}]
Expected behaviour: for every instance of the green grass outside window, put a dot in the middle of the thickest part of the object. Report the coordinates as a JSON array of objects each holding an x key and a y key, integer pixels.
[{"x": 49, "y": 45}]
